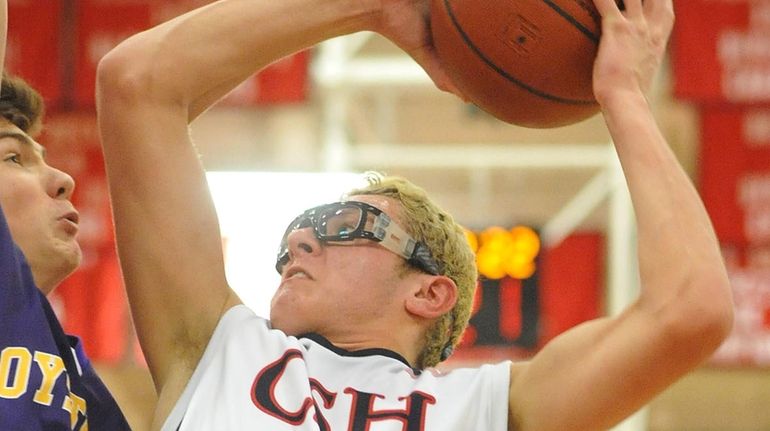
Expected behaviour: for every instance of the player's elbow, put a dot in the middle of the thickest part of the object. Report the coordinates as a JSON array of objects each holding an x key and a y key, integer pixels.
[
  {"x": 708, "y": 330},
  {"x": 701, "y": 317},
  {"x": 130, "y": 76},
  {"x": 120, "y": 82}
]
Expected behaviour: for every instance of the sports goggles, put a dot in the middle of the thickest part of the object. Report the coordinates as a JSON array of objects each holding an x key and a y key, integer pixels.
[{"x": 341, "y": 222}]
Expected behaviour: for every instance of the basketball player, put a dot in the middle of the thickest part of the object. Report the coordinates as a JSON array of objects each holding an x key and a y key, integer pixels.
[
  {"x": 376, "y": 288},
  {"x": 46, "y": 381}
]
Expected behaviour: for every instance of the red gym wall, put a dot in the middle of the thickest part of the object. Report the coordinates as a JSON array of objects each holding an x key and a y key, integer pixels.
[{"x": 721, "y": 65}]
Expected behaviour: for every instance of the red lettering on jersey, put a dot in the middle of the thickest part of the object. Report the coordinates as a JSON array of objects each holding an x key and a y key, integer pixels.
[
  {"x": 263, "y": 391},
  {"x": 263, "y": 394},
  {"x": 328, "y": 397},
  {"x": 412, "y": 418},
  {"x": 362, "y": 413}
]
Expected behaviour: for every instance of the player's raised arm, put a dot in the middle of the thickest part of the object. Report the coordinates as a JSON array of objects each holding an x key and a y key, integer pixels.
[
  {"x": 167, "y": 230},
  {"x": 148, "y": 89},
  {"x": 597, "y": 374}
]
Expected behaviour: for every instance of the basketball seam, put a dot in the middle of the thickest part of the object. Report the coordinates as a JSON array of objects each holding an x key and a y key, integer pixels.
[
  {"x": 573, "y": 21},
  {"x": 505, "y": 74}
]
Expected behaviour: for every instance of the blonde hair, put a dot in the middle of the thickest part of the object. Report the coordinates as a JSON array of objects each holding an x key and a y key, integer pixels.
[{"x": 434, "y": 227}]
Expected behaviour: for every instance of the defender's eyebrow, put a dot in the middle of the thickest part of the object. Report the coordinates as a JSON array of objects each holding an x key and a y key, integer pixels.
[{"x": 24, "y": 140}]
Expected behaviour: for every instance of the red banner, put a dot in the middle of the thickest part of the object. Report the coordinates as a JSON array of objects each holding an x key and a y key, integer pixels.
[
  {"x": 749, "y": 341},
  {"x": 572, "y": 283},
  {"x": 735, "y": 173},
  {"x": 285, "y": 81},
  {"x": 735, "y": 185},
  {"x": 33, "y": 50},
  {"x": 103, "y": 24},
  {"x": 721, "y": 50}
]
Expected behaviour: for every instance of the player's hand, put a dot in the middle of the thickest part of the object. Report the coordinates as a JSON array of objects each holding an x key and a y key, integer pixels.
[
  {"x": 407, "y": 24},
  {"x": 632, "y": 46}
]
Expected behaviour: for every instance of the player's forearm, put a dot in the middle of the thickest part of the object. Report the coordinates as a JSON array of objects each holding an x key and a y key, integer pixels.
[
  {"x": 680, "y": 263},
  {"x": 198, "y": 57}
]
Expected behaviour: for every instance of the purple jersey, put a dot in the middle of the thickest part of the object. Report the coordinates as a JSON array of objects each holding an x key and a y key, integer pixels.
[{"x": 46, "y": 381}]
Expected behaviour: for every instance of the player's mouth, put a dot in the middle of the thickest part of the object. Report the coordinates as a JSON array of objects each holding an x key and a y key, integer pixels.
[
  {"x": 296, "y": 272},
  {"x": 71, "y": 220}
]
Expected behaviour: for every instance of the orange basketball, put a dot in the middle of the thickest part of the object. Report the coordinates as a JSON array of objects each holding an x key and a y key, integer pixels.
[{"x": 526, "y": 62}]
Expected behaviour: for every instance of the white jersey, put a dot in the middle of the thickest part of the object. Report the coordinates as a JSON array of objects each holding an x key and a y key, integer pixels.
[{"x": 252, "y": 377}]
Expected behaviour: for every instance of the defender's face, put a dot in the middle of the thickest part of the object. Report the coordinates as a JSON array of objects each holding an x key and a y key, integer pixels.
[
  {"x": 36, "y": 201},
  {"x": 331, "y": 288}
]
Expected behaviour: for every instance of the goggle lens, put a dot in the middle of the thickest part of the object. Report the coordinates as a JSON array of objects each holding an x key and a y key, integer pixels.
[{"x": 341, "y": 222}]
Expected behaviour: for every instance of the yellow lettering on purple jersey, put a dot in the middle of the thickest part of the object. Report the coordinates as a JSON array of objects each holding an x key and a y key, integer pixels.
[
  {"x": 12, "y": 387},
  {"x": 76, "y": 407},
  {"x": 51, "y": 367}
]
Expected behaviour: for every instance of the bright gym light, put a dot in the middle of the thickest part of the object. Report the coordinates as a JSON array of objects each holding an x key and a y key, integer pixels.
[{"x": 254, "y": 209}]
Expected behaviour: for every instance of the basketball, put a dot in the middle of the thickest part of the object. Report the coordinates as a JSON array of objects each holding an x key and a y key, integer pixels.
[{"x": 526, "y": 62}]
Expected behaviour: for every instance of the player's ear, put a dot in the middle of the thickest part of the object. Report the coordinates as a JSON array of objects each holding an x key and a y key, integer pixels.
[{"x": 435, "y": 296}]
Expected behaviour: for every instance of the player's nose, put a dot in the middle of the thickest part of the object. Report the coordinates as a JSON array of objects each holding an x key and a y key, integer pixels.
[
  {"x": 302, "y": 242},
  {"x": 60, "y": 185}
]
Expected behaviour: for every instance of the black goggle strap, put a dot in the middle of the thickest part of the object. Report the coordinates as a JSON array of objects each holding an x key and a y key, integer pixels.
[
  {"x": 447, "y": 351},
  {"x": 395, "y": 239},
  {"x": 423, "y": 258}
]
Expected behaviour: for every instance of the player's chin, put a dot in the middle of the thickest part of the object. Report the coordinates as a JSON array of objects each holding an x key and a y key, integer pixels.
[
  {"x": 69, "y": 256},
  {"x": 288, "y": 321},
  {"x": 276, "y": 313},
  {"x": 294, "y": 310}
]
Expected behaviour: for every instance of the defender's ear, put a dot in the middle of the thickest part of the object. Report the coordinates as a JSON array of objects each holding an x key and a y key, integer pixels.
[{"x": 434, "y": 297}]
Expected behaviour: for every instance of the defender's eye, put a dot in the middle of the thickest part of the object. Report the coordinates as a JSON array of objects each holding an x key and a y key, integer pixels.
[{"x": 13, "y": 158}]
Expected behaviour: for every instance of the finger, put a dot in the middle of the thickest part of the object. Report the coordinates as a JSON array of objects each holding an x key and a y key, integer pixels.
[
  {"x": 658, "y": 10},
  {"x": 634, "y": 8},
  {"x": 607, "y": 8}
]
